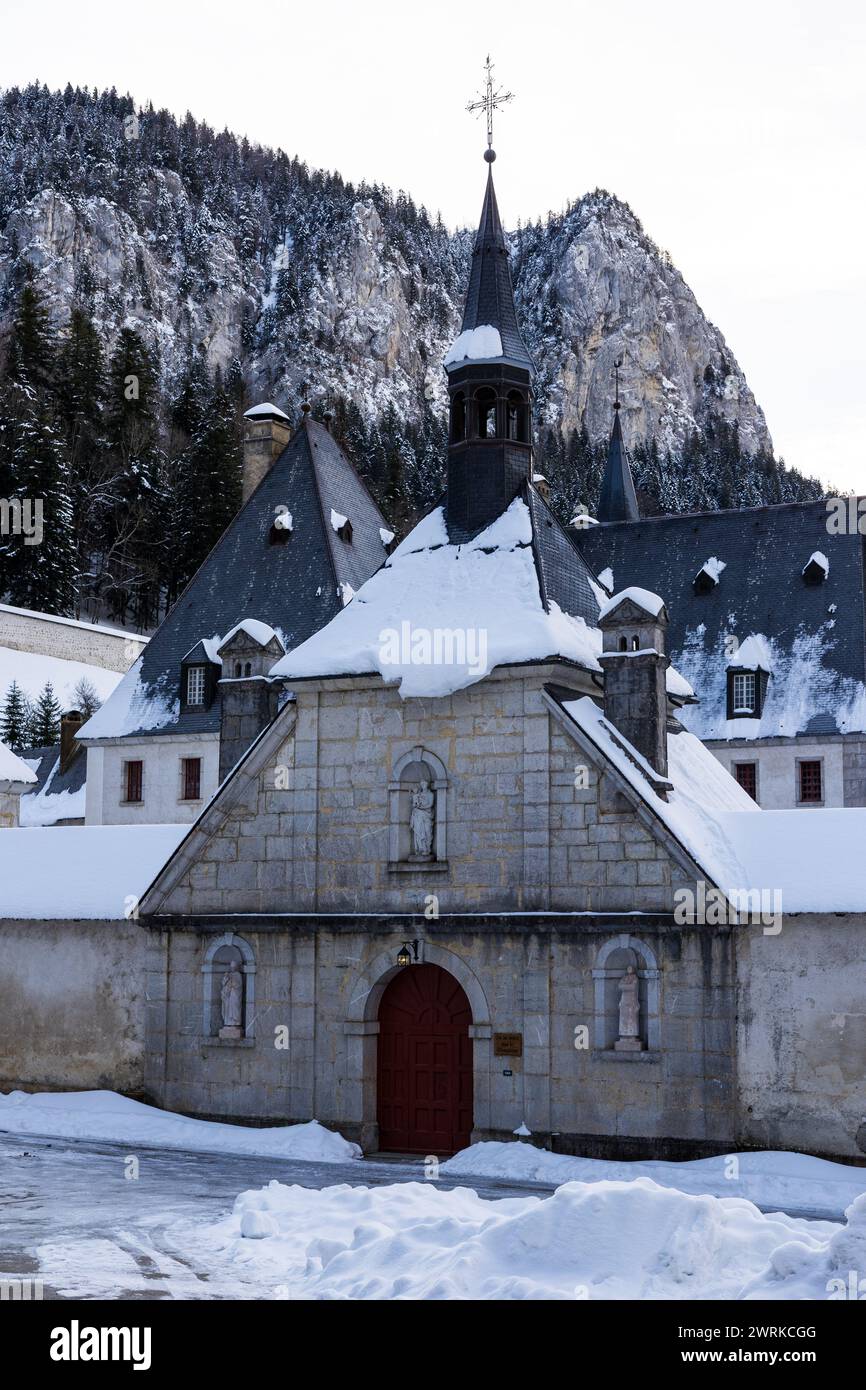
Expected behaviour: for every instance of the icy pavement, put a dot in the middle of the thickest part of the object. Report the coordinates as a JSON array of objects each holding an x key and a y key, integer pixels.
[{"x": 70, "y": 1217}]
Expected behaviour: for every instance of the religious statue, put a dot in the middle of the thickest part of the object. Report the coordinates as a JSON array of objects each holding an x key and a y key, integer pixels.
[
  {"x": 629, "y": 1013},
  {"x": 421, "y": 820},
  {"x": 232, "y": 1002}
]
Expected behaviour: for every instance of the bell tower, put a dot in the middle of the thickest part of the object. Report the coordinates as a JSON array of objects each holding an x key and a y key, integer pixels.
[{"x": 489, "y": 374}]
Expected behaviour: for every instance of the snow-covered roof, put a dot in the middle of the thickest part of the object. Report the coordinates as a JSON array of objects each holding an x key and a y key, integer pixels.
[
  {"x": 429, "y": 585},
  {"x": 479, "y": 344},
  {"x": 88, "y": 872},
  {"x": 820, "y": 559},
  {"x": 642, "y": 598},
  {"x": 260, "y": 632},
  {"x": 813, "y": 859},
  {"x": 813, "y": 635},
  {"x": 266, "y": 410},
  {"x": 12, "y": 769}
]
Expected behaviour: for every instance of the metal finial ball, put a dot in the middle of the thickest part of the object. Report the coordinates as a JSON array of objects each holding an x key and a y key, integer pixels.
[{"x": 490, "y": 155}]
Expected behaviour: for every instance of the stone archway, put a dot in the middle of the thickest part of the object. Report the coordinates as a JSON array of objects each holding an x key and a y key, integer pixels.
[
  {"x": 362, "y": 1029},
  {"x": 424, "y": 1065}
]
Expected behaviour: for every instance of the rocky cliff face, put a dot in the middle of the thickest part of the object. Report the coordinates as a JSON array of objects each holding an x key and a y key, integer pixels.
[{"x": 201, "y": 242}]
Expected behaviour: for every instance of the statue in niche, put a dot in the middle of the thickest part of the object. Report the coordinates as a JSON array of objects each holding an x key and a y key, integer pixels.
[
  {"x": 421, "y": 820},
  {"x": 232, "y": 1002},
  {"x": 629, "y": 1013}
]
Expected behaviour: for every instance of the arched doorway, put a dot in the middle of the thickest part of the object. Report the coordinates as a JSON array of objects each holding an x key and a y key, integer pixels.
[{"x": 424, "y": 1084}]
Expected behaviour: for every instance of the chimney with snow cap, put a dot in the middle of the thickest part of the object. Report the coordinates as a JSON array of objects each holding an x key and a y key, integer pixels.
[
  {"x": 634, "y": 660},
  {"x": 267, "y": 431}
]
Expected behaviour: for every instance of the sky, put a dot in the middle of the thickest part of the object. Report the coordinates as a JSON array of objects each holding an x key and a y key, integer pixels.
[{"x": 735, "y": 131}]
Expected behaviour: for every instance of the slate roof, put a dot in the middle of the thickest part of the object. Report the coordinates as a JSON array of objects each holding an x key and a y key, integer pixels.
[
  {"x": 817, "y": 633},
  {"x": 617, "y": 501},
  {"x": 490, "y": 296},
  {"x": 47, "y": 769},
  {"x": 563, "y": 574},
  {"x": 295, "y": 587}
]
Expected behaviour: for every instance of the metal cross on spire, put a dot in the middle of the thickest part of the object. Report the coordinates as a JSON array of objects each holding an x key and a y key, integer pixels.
[
  {"x": 489, "y": 100},
  {"x": 616, "y": 366}
]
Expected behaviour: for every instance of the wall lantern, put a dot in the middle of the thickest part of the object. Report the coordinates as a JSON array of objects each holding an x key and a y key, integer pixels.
[{"x": 408, "y": 954}]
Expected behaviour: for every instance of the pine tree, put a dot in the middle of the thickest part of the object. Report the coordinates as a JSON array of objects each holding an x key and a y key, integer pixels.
[
  {"x": 45, "y": 723},
  {"x": 15, "y": 718}
]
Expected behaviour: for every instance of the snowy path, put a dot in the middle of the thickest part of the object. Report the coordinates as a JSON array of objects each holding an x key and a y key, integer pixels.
[{"x": 69, "y": 1216}]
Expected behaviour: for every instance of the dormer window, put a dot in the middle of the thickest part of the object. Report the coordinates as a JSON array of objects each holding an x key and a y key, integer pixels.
[
  {"x": 342, "y": 525},
  {"x": 816, "y": 568},
  {"x": 196, "y": 686},
  {"x": 746, "y": 690}
]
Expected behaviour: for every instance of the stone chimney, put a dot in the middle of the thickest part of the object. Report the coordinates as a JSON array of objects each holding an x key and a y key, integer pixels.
[
  {"x": 70, "y": 723},
  {"x": 267, "y": 431},
  {"x": 248, "y": 697},
  {"x": 634, "y": 626}
]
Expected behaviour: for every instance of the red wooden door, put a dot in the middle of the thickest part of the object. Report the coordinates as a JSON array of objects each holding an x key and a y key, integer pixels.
[{"x": 425, "y": 1063}]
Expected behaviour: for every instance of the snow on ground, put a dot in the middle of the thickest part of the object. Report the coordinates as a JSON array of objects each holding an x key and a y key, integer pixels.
[
  {"x": 81, "y": 872},
  {"x": 107, "y": 1117},
  {"x": 786, "y": 1180},
  {"x": 599, "y": 1240},
  {"x": 31, "y": 670}
]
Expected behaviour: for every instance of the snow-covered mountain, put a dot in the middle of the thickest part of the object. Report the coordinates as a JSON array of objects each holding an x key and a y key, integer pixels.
[{"x": 204, "y": 242}]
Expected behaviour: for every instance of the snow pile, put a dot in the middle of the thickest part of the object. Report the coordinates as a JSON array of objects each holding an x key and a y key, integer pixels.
[
  {"x": 106, "y": 1117},
  {"x": 385, "y": 536},
  {"x": 605, "y": 579},
  {"x": 284, "y": 521},
  {"x": 31, "y": 670},
  {"x": 642, "y": 598},
  {"x": 769, "y": 1178},
  {"x": 338, "y": 521},
  {"x": 12, "y": 769},
  {"x": 82, "y": 872},
  {"x": 265, "y": 411},
  {"x": 600, "y": 1240},
  {"x": 474, "y": 345},
  {"x": 429, "y": 586},
  {"x": 755, "y": 653}
]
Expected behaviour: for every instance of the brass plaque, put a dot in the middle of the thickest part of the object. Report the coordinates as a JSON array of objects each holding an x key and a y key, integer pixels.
[{"x": 508, "y": 1044}]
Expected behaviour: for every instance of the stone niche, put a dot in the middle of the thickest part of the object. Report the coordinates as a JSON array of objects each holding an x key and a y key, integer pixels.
[
  {"x": 612, "y": 963},
  {"x": 412, "y": 771}
]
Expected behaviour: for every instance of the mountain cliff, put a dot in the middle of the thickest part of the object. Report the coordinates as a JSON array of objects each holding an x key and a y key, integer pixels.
[{"x": 240, "y": 262}]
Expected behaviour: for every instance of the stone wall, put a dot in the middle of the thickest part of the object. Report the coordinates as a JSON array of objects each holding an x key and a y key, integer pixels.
[
  {"x": 527, "y": 825},
  {"x": 71, "y": 1005},
  {"x": 110, "y": 648},
  {"x": 10, "y": 808},
  {"x": 323, "y": 981},
  {"x": 801, "y": 1035}
]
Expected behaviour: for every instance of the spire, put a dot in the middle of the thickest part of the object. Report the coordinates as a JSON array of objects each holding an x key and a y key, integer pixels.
[
  {"x": 490, "y": 296},
  {"x": 617, "y": 501}
]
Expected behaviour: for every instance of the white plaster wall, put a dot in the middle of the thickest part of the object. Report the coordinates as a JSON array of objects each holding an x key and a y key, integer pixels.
[
  {"x": 162, "y": 757},
  {"x": 778, "y": 782},
  {"x": 801, "y": 1035},
  {"x": 72, "y": 641}
]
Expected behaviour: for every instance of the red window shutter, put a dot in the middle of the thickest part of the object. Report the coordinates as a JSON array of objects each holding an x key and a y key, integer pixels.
[
  {"x": 133, "y": 781},
  {"x": 810, "y": 781},
  {"x": 747, "y": 776},
  {"x": 191, "y": 779}
]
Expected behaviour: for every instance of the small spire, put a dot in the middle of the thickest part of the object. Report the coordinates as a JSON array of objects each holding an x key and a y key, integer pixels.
[{"x": 617, "y": 501}]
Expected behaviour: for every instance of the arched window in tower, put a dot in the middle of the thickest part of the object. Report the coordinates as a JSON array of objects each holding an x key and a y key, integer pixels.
[
  {"x": 458, "y": 418},
  {"x": 485, "y": 411},
  {"x": 517, "y": 414},
  {"x": 623, "y": 644}
]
